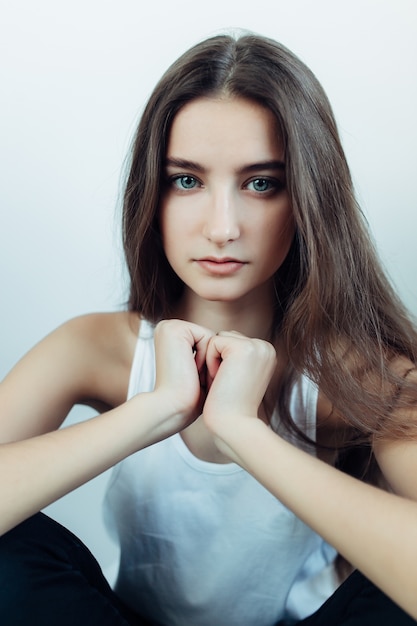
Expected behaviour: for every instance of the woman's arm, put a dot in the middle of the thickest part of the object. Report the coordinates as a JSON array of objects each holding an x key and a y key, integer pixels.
[
  {"x": 39, "y": 470},
  {"x": 77, "y": 363},
  {"x": 375, "y": 530}
]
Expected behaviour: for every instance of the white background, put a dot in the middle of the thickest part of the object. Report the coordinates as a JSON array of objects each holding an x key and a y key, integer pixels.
[{"x": 74, "y": 77}]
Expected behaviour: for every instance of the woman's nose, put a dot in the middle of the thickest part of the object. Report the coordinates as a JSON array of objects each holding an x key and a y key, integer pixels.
[{"x": 221, "y": 223}]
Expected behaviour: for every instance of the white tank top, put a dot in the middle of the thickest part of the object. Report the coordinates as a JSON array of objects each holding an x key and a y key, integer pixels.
[{"x": 204, "y": 544}]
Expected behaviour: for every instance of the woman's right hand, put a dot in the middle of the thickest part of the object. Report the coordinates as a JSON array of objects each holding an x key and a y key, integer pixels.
[{"x": 180, "y": 351}]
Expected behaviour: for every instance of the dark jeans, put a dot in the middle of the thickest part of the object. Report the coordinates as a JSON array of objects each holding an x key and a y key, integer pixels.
[
  {"x": 357, "y": 602},
  {"x": 49, "y": 578}
]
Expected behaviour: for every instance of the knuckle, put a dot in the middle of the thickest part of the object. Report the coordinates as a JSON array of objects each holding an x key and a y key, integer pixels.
[{"x": 166, "y": 325}]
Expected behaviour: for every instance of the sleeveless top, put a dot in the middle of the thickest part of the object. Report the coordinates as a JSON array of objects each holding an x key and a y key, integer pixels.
[{"x": 204, "y": 544}]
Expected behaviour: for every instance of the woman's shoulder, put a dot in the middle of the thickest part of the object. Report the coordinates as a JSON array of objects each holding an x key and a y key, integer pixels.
[
  {"x": 393, "y": 379},
  {"x": 104, "y": 345},
  {"x": 115, "y": 331},
  {"x": 98, "y": 335},
  {"x": 86, "y": 360}
]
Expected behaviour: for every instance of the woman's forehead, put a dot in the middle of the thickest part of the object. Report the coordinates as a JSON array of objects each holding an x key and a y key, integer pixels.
[{"x": 225, "y": 128}]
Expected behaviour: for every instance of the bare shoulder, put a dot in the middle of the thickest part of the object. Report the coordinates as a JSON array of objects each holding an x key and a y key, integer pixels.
[
  {"x": 99, "y": 348},
  {"x": 86, "y": 360},
  {"x": 101, "y": 334},
  {"x": 397, "y": 456}
]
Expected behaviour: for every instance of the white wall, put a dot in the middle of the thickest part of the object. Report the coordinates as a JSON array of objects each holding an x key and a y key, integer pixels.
[{"x": 73, "y": 78}]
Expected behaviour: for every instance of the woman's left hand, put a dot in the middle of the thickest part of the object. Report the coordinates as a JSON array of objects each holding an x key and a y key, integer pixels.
[{"x": 239, "y": 370}]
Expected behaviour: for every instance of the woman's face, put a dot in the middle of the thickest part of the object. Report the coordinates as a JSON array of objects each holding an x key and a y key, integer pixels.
[{"x": 226, "y": 219}]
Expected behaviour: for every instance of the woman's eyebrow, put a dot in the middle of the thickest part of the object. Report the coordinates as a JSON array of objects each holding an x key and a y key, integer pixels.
[
  {"x": 185, "y": 164},
  {"x": 263, "y": 165}
]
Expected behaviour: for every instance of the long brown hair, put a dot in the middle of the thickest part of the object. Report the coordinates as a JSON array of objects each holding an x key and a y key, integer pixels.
[{"x": 340, "y": 319}]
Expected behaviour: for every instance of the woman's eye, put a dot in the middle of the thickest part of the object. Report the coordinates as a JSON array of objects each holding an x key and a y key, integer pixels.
[
  {"x": 185, "y": 182},
  {"x": 261, "y": 185}
]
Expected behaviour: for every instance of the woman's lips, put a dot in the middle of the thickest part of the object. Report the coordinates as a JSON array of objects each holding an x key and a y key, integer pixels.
[{"x": 220, "y": 267}]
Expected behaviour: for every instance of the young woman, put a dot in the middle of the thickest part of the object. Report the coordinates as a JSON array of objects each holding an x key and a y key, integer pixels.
[{"x": 268, "y": 444}]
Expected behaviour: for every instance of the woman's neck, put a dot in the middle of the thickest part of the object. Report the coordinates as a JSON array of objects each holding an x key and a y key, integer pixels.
[{"x": 249, "y": 317}]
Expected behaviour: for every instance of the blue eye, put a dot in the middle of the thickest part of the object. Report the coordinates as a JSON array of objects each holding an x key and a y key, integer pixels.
[
  {"x": 185, "y": 182},
  {"x": 261, "y": 185}
]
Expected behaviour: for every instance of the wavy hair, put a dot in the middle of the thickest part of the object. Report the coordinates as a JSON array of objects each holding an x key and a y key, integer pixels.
[{"x": 340, "y": 318}]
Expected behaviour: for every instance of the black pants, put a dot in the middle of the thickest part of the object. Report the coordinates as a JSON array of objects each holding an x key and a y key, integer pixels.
[{"x": 49, "y": 578}]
